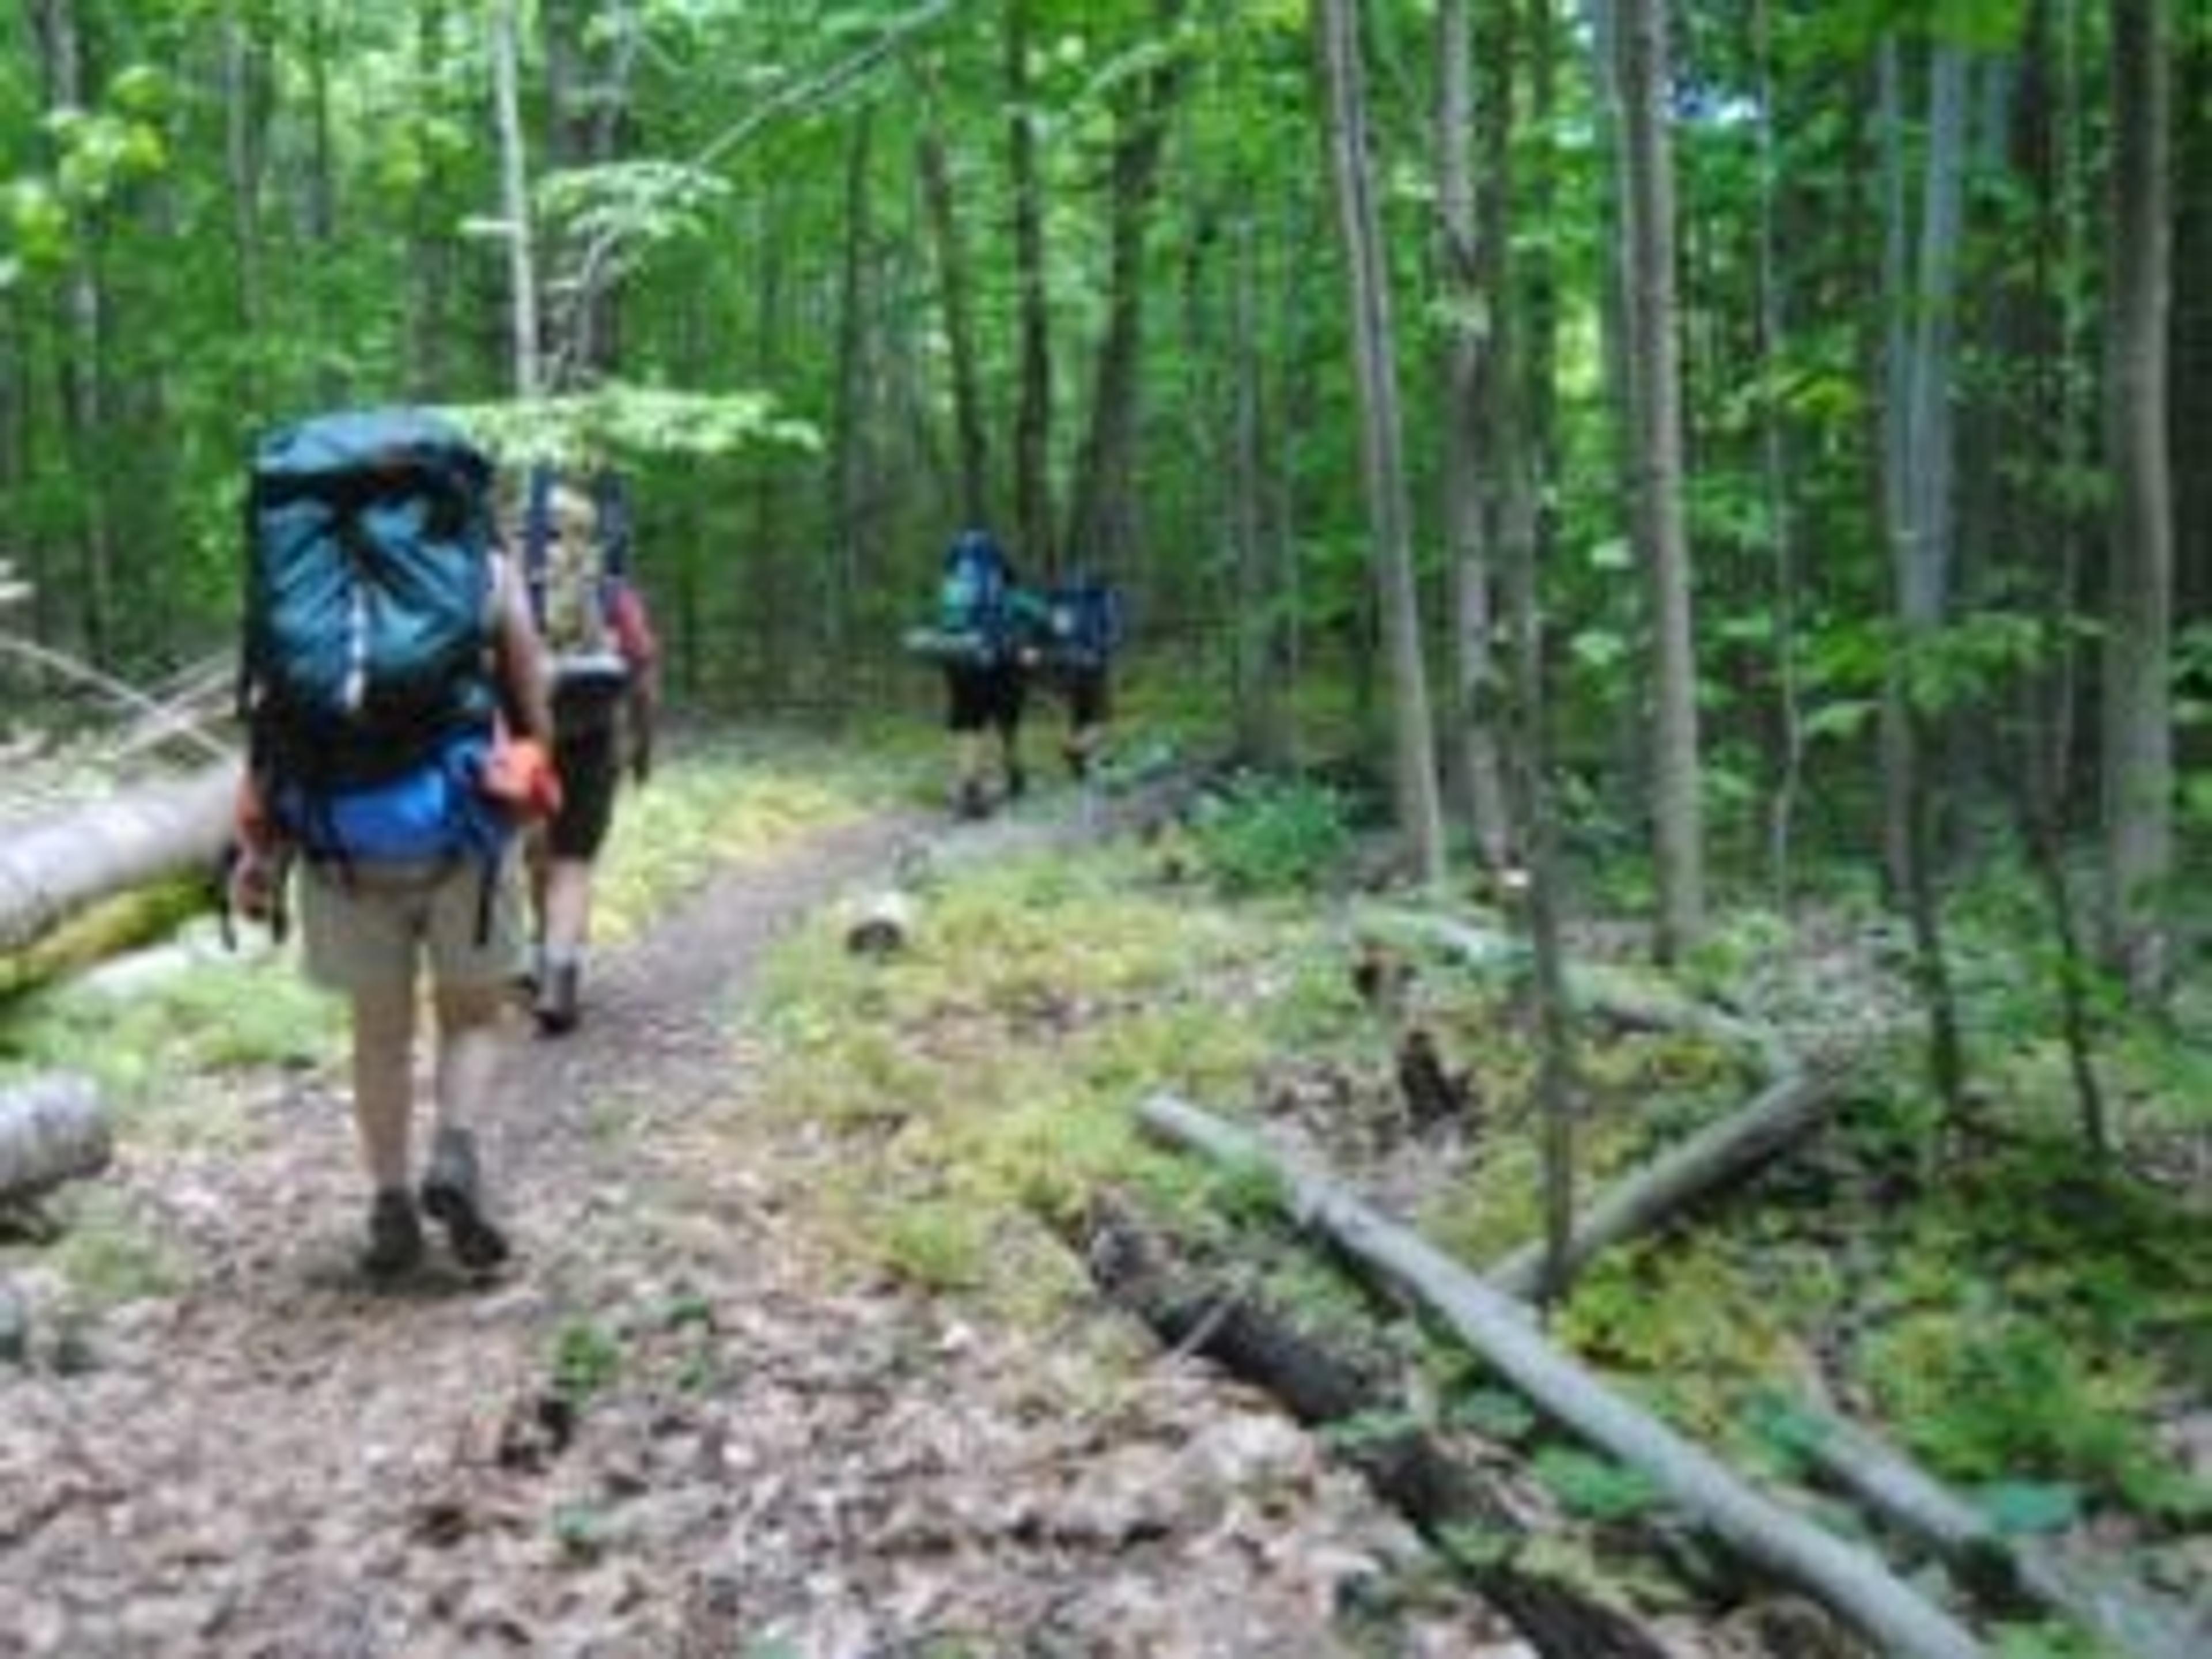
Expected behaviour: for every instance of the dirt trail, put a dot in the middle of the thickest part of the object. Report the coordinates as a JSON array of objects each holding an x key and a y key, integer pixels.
[{"x": 275, "y": 1462}]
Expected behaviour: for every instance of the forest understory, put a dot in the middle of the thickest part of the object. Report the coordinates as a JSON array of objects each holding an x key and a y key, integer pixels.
[{"x": 816, "y": 1344}]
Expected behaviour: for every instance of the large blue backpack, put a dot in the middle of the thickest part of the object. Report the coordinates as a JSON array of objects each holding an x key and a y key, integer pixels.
[
  {"x": 1085, "y": 624},
  {"x": 974, "y": 601},
  {"x": 365, "y": 678}
]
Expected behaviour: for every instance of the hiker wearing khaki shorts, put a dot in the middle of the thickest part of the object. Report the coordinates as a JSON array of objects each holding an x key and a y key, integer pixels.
[{"x": 369, "y": 930}]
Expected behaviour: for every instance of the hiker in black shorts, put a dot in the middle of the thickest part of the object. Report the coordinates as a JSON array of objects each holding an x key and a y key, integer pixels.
[
  {"x": 975, "y": 638},
  {"x": 1071, "y": 633},
  {"x": 982, "y": 698},
  {"x": 605, "y": 681}
]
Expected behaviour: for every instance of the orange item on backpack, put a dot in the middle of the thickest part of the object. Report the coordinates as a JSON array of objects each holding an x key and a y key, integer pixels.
[{"x": 520, "y": 776}]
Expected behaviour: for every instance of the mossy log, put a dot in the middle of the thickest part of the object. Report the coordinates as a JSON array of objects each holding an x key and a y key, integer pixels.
[
  {"x": 1447, "y": 1499},
  {"x": 53, "y": 1129},
  {"x": 2096, "y": 1596},
  {"x": 53, "y": 869},
  {"x": 1851, "y": 1583}
]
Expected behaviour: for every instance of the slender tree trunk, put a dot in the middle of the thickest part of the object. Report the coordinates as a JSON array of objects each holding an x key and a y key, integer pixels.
[
  {"x": 1648, "y": 199},
  {"x": 852, "y": 465},
  {"x": 953, "y": 289},
  {"x": 1033, "y": 508},
  {"x": 82, "y": 383},
  {"x": 1474, "y": 298},
  {"x": 515, "y": 199},
  {"x": 1774, "y": 467},
  {"x": 2137, "y": 780},
  {"x": 1534, "y": 811},
  {"x": 1263, "y": 603},
  {"x": 241, "y": 58},
  {"x": 430, "y": 254},
  {"x": 1102, "y": 529},
  {"x": 1419, "y": 810},
  {"x": 588, "y": 61}
]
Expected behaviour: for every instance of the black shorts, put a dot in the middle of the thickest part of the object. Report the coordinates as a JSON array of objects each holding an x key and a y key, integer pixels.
[
  {"x": 977, "y": 697},
  {"x": 590, "y": 765},
  {"x": 1090, "y": 698}
]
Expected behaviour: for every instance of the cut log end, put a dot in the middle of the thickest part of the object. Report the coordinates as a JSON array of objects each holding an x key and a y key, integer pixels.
[{"x": 53, "y": 1130}]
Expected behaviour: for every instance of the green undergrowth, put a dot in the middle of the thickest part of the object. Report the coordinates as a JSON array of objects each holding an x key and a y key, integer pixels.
[
  {"x": 2022, "y": 1327},
  {"x": 726, "y": 803}
]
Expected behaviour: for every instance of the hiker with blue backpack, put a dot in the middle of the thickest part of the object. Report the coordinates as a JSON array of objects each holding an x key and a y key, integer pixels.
[
  {"x": 604, "y": 663},
  {"x": 1076, "y": 626},
  {"x": 393, "y": 688},
  {"x": 976, "y": 640}
]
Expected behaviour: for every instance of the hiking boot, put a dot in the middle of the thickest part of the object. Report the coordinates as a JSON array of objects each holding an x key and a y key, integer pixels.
[
  {"x": 558, "y": 992},
  {"x": 451, "y": 1195},
  {"x": 395, "y": 1235}
]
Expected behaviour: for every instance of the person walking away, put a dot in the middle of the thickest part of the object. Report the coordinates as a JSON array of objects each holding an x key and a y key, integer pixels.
[
  {"x": 605, "y": 677},
  {"x": 394, "y": 694},
  {"x": 984, "y": 680},
  {"x": 1082, "y": 628}
]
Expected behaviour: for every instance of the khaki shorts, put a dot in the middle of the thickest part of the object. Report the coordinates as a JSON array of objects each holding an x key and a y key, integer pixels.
[{"x": 370, "y": 928}]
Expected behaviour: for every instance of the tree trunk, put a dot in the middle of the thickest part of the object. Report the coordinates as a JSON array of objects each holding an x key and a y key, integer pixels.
[
  {"x": 81, "y": 370},
  {"x": 1263, "y": 602},
  {"x": 959, "y": 318},
  {"x": 588, "y": 63},
  {"x": 2138, "y": 777},
  {"x": 1102, "y": 528},
  {"x": 1033, "y": 508},
  {"x": 1648, "y": 201},
  {"x": 515, "y": 199},
  {"x": 1419, "y": 811},
  {"x": 53, "y": 1129},
  {"x": 242, "y": 71},
  {"x": 1775, "y": 482},
  {"x": 852, "y": 468},
  {"x": 1846, "y": 1579},
  {"x": 1474, "y": 300},
  {"x": 53, "y": 869}
]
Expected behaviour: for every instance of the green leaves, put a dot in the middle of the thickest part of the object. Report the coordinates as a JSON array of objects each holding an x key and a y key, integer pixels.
[{"x": 632, "y": 420}]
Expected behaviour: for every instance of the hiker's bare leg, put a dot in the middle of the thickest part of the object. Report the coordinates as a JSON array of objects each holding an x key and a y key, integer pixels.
[
  {"x": 468, "y": 1051},
  {"x": 469, "y": 1048},
  {"x": 383, "y": 1082},
  {"x": 564, "y": 909}
]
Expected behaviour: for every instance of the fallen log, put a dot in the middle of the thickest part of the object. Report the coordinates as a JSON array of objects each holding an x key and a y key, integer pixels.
[
  {"x": 1849, "y": 1581},
  {"x": 1445, "y": 1497},
  {"x": 880, "y": 925},
  {"x": 1791, "y": 1105},
  {"x": 53, "y": 868},
  {"x": 53, "y": 1129},
  {"x": 1782, "y": 1115},
  {"x": 1913, "y": 1502}
]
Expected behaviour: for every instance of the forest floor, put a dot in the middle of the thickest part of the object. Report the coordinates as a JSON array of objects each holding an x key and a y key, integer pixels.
[
  {"x": 771, "y": 1375},
  {"x": 671, "y": 1427}
]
